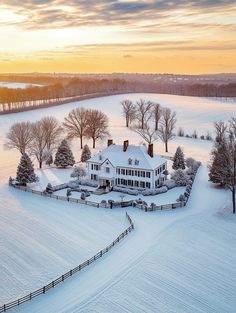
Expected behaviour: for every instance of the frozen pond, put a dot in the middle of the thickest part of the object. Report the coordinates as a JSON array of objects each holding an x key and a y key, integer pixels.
[{"x": 15, "y": 85}]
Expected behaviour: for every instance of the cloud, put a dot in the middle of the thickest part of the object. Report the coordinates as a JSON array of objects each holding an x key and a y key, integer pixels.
[
  {"x": 74, "y": 13},
  {"x": 127, "y": 56}
]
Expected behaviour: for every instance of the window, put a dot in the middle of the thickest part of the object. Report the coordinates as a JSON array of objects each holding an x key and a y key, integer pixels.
[
  {"x": 142, "y": 184},
  {"x": 107, "y": 169},
  {"x": 136, "y": 183},
  {"x": 148, "y": 174},
  {"x": 122, "y": 171},
  {"x": 93, "y": 177},
  {"x": 148, "y": 185},
  {"x": 130, "y": 183},
  {"x": 143, "y": 174},
  {"x": 136, "y": 162},
  {"x": 129, "y": 161},
  {"x": 91, "y": 166},
  {"x": 118, "y": 171}
]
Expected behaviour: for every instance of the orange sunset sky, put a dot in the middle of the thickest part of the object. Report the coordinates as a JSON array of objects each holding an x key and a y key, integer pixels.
[{"x": 118, "y": 36}]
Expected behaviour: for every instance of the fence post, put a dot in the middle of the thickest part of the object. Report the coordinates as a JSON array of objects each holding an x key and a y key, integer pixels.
[
  {"x": 62, "y": 277},
  {"x": 101, "y": 253},
  {"x": 43, "y": 289},
  {"x": 70, "y": 272}
]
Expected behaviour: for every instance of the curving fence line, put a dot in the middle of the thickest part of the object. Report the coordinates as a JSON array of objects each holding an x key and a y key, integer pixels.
[{"x": 63, "y": 277}]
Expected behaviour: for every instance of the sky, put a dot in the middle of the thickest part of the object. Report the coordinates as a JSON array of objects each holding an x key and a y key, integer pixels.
[{"x": 102, "y": 36}]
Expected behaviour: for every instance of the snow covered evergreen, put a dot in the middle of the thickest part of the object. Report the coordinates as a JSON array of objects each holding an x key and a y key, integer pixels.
[
  {"x": 64, "y": 156},
  {"x": 25, "y": 171},
  {"x": 178, "y": 162},
  {"x": 86, "y": 154}
]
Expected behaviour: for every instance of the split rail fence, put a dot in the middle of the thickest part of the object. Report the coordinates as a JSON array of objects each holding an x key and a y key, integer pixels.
[{"x": 63, "y": 277}]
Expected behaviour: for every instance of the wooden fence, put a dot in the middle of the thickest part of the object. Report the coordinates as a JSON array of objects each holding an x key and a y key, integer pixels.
[
  {"x": 63, "y": 277},
  {"x": 105, "y": 205}
]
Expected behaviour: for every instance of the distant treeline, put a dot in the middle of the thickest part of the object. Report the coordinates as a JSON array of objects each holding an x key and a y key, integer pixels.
[{"x": 55, "y": 89}]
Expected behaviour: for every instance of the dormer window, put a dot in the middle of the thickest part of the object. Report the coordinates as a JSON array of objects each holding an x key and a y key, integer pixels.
[
  {"x": 130, "y": 161},
  {"x": 136, "y": 162},
  {"x": 100, "y": 157}
]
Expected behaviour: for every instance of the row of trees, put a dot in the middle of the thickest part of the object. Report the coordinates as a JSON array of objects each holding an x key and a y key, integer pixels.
[
  {"x": 149, "y": 120},
  {"x": 41, "y": 138},
  {"x": 54, "y": 90},
  {"x": 222, "y": 169}
]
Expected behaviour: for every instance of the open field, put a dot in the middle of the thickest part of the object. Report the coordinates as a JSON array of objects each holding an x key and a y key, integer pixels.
[{"x": 182, "y": 260}]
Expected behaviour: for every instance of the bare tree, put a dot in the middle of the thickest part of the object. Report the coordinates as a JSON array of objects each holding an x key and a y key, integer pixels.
[
  {"x": 39, "y": 142},
  {"x": 128, "y": 111},
  {"x": 52, "y": 130},
  {"x": 76, "y": 124},
  {"x": 156, "y": 111},
  {"x": 143, "y": 112},
  {"x": 148, "y": 132},
  {"x": 98, "y": 125},
  {"x": 167, "y": 125},
  {"x": 19, "y": 137},
  {"x": 220, "y": 129},
  {"x": 232, "y": 127}
]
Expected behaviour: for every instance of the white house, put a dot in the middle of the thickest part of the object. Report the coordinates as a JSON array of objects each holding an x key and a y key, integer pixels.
[{"x": 127, "y": 165}]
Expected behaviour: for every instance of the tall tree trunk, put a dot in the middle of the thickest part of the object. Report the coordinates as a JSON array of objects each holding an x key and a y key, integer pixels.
[
  {"x": 156, "y": 125},
  {"x": 81, "y": 142},
  {"x": 40, "y": 164},
  {"x": 94, "y": 143},
  {"x": 233, "y": 199},
  {"x": 127, "y": 121},
  {"x": 166, "y": 144}
]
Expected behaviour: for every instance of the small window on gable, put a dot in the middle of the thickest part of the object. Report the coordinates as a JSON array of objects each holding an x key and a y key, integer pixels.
[{"x": 107, "y": 170}]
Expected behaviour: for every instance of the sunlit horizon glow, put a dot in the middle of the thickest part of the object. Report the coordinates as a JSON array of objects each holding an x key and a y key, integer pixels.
[{"x": 118, "y": 36}]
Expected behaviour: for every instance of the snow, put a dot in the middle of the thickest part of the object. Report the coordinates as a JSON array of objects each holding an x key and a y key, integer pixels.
[
  {"x": 119, "y": 158},
  {"x": 15, "y": 85},
  {"x": 181, "y": 260},
  {"x": 169, "y": 197}
]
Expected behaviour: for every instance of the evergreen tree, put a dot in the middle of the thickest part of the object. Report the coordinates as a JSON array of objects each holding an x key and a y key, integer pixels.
[
  {"x": 25, "y": 171},
  {"x": 64, "y": 156},
  {"x": 86, "y": 154},
  {"x": 178, "y": 162}
]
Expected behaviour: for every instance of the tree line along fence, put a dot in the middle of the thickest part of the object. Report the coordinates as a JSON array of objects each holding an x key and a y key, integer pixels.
[
  {"x": 65, "y": 276},
  {"x": 107, "y": 205}
]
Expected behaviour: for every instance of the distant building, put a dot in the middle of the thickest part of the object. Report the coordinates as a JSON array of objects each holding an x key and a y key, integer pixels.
[{"x": 127, "y": 166}]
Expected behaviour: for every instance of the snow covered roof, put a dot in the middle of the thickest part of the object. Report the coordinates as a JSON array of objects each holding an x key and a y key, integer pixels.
[{"x": 133, "y": 157}]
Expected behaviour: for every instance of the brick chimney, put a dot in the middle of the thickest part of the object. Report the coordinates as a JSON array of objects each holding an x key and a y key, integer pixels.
[
  {"x": 150, "y": 150},
  {"x": 109, "y": 142},
  {"x": 125, "y": 145}
]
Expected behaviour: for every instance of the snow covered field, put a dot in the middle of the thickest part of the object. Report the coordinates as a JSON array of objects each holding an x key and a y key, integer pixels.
[{"x": 182, "y": 260}]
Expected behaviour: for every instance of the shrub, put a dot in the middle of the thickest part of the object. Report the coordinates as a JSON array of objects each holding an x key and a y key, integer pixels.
[
  {"x": 180, "y": 178},
  {"x": 82, "y": 197},
  {"x": 153, "y": 192},
  {"x": 181, "y": 198},
  {"x": 129, "y": 191},
  {"x": 169, "y": 183}
]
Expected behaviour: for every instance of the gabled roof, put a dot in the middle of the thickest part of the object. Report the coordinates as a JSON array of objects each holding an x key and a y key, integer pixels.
[{"x": 119, "y": 158}]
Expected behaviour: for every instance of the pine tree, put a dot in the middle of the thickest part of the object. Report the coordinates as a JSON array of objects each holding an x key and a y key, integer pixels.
[
  {"x": 178, "y": 162},
  {"x": 64, "y": 156},
  {"x": 25, "y": 171},
  {"x": 86, "y": 154}
]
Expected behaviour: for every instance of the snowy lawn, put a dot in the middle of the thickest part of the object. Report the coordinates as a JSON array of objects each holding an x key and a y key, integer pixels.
[
  {"x": 41, "y": 239},
  {"x": 168, "y": 197}
]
